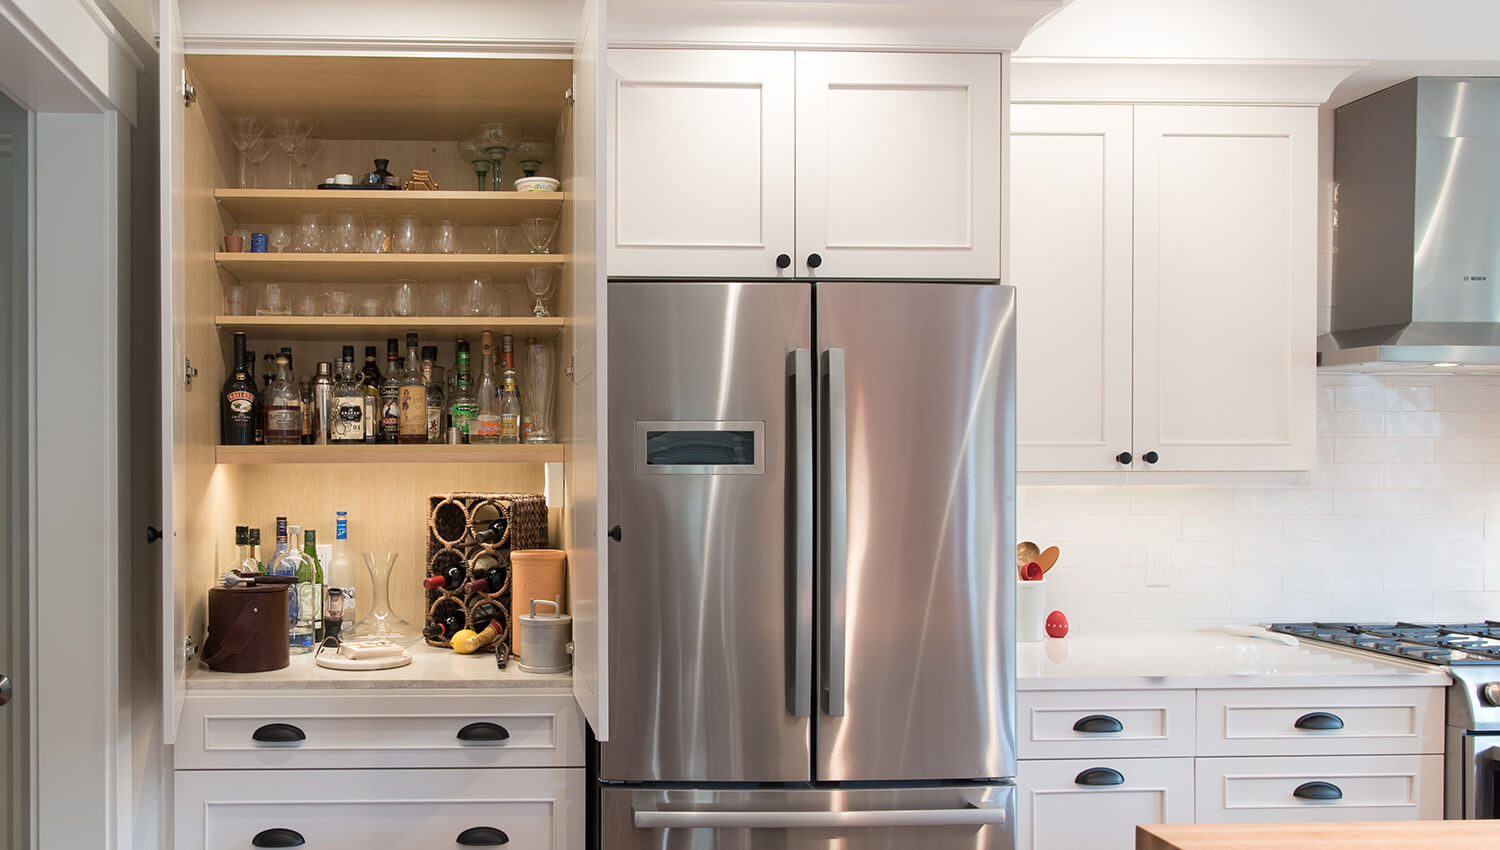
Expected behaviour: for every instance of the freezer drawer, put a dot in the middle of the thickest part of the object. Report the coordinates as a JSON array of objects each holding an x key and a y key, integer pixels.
[{"x": 971, "y": 817}]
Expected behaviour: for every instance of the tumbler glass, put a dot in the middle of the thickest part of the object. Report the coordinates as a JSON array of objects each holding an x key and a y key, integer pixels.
[
  {"x": 338, "y": 302},
  {"x": 440, "y": 299},
  {"x": 404, "y": 297},
  {"x": 310, "y": 233},
  {"x": 407, "y": 237},
  {"x": 473, "y": 296},
  {"x": 274, "y": 301},
  {"x": 377, "y": 235},
  {"x": 346, "y": 234},
  {"x": 445, "y": 238}
]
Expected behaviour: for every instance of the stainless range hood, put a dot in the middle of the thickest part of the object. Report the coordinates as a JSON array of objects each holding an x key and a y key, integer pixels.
[{"x": 1416, "y": 268}]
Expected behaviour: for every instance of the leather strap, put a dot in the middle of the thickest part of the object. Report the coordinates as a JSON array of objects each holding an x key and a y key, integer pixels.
[{"x": 246, "y": 624}]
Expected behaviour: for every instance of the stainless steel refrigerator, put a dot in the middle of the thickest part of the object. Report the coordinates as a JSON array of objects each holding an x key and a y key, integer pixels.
[{"x": 812, "y": 592}]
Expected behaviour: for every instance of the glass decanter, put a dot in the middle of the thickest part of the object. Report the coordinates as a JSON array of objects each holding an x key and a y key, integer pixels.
[{"x": 381, "y": 621}]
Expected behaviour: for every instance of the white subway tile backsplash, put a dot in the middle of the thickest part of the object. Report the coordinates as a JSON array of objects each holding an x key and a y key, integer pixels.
[
  {"x": 1351, "y": 423},
  {"x": 1333, "y": 527},
  {"x": 1433, "y": 475},
  {"x": 1382, "y": 501},
  {"x": 1231, "y": 527},
  {"x": 1277, "y": 500},
  {"x": 1464, "y": 605},
  {"x": 1375, "y": 396},
  {"x": 1370, "y": 605},
  {"x": 1179, "y": 500},
  {"x": 1153, "y": 604},
  {"x": 1434, "y": 527},
  {"x": 1383, "y": 450},
  {"x": 1280, "y": 607},
  {"x": 1468, "y": 450},
  {"x": 1468, "y": 394}
]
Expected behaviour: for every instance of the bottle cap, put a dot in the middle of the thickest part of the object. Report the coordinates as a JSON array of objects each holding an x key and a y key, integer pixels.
[
  {"x": 429, "y": 352},
  {"x": 348, "y": 352},
  {"x": 325, "y": 368},
  {"x": 369, "y": 351},
  {"x": 411, "y": 339}
]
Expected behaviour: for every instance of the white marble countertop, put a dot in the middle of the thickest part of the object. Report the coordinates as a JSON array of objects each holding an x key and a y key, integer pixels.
[
  {"x": 430, "y": 668},
  {"x": 1206, "y": 659}
]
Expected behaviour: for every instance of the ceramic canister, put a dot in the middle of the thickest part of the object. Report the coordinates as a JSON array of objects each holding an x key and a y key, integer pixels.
[
  {"x": 534, "y": 574},
  {"x": 546, "y": 638}
]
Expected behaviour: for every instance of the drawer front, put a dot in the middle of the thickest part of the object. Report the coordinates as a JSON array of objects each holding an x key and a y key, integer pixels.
[
  {"x": 1265, "y": 790},
  {"x": 1058, "y": 809},
  {"x": 1320, "y": 721},
  {"x": 1056, "y": 724},
  {"x": 390, "y": 730},
  {"x": 389, "y": 809}
]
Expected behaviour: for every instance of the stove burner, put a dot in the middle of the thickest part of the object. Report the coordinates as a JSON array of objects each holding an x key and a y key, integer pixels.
[{"x": 1434, "y": 643}]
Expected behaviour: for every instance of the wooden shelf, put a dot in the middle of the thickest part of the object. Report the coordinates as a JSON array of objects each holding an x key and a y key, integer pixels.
[
  {"x": 377, "y": 453},
  {"x": 360, "y": 327},
  {"x": 253, "y": 206},
  {"x": 379, "y": 268}
]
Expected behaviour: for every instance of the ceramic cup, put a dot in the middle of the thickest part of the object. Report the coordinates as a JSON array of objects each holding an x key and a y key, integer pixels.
[
  {"x": 1031, "y": 611},
  {"x": 234, "y": 244}
]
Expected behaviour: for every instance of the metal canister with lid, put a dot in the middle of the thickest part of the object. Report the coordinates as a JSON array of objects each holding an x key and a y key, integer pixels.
[{"x": 546, "y": 644}]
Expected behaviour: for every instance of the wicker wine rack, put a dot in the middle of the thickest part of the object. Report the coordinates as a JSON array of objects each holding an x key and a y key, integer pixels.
[{"x": 452, "y": 520}]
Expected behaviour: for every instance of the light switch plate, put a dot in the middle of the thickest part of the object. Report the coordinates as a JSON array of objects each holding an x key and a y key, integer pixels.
[{"x": 1159, "y": 565}]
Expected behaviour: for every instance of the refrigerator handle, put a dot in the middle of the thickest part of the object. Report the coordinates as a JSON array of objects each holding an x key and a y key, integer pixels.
[
  {"x": 799, "y": 666},
  {"x": 650, "y": 817},
  {"x": 835, "y": 530}
]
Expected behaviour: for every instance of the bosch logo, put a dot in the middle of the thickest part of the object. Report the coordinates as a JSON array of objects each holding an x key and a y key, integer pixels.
[{"x": 1476, "y": 278}]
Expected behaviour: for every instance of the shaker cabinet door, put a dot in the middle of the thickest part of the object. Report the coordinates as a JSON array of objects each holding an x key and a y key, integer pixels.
[
  {"x": 1083, "y": 804},
  {"x": 1070, "y": 231},
  {"x": 898, "y": 165},
  {"x": 700, "y": 160}
]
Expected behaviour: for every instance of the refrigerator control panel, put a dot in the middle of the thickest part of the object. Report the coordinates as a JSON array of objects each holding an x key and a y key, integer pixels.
[{"x": 700, "y": 448}]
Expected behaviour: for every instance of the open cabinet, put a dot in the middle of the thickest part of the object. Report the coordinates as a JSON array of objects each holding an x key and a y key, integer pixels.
[{"x": 412, "y": 110}]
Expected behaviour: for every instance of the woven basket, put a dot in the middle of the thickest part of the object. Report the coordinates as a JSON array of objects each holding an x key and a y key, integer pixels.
[{"x": 452, "y": 520}]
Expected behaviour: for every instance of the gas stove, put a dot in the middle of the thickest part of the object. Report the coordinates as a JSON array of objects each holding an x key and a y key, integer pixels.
[{"x": 1450, "y": 644}]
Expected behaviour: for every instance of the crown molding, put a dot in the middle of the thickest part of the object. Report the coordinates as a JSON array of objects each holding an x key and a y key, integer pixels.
[
  {"x": 416, "y": 47},
  {"x": 1263, "y": 82}
]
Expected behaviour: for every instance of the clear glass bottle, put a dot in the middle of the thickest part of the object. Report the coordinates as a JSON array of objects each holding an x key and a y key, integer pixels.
[
  {"x": 437, "y": 401},
  {"x": 486, "y": 425},
  {"x": 260, "y": 565},
  {"x": 371, "y": 380},
  {"x": 338, "y": 574},
  {"x": 346, "y": 423},
  {"x": 292, "y": 562},
  {"x": 242, "y": 561},
  {"x": 412, "y": 397},
  {"x": 310, "y": 584},
  {"x": 283, "y": 404},
  {"x": 390, "y": 395},
  {"x": 510, "y": 399},
  {"x": 465, "y": 403}
]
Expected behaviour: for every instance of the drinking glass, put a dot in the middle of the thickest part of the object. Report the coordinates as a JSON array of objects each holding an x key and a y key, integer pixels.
[
  {"x": 539, "y": 384},
  {"x": 538, "y": 233},
  {"x": 310, "y": 235},
  {"x": 407, "y": 238},
  {"x": 382, "y": 622},
  {"x": 256, "y": 154},
  {"x": 338, "y": 302},
  {"x": 531, "y": 151},
  {"x": 369, "y": 306},
  {"x": 497, "y": 240},
  {"x": 377, "y": 235},
  {"x": 539, "y": 281},
  {"x": 404, "y": 297},
  {"x": 304, "y": 155},
  {"x": 234, "y": 299},
  {"x": 307, "y": 305},
  {"x": 244, "y": 132},
  {"x": 281, "y": 237},
  {"x": 473, "y": 293},
  {"x": 440, "y": 299},
  {"x": 497, "y": 140},
  {"x": 472, "y": 150},
  {"x": 444, "y": 238},
  {"x": 290, "y": 133},
  {"x": 274, "y": 301},
  {"x": 346, "y": 234},
  {"x": 499, "y": 304}
]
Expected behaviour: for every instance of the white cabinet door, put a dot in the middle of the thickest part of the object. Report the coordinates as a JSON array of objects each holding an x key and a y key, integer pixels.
[
  {"x": 1076, "y": 804},
  {"x": 898, "y": 165},
  {"x": 701, "y": 160},
  {"x": 1070, "y": 261},
  {"x": 1225, "y": 287},
  {"x": 1270, "y": 789}
]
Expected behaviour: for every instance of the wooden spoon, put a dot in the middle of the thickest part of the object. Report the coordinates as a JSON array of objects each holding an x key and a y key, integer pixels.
[
  {"x": 1048, "y": 558},
  {"x": 1026, "y": 552}
]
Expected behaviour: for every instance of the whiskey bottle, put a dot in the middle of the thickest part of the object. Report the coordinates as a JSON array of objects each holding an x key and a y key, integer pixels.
[
  {"x": 510, "y": 400},
  {"x": 347, "y": 421},
  {"x": 465, "y": 404},
  {"x": 412, "y": 396},
  {"x": 436, "y": 401},
  {"x": 486, "y": 425},
  {"x": 283, "y": 408},
  {"x": 390, "y": 395},
  {"x": 237, "y": 401},
  {"x": 371, "y": 380}
]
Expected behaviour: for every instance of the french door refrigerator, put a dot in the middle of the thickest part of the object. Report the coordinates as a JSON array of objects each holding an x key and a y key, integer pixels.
[{"x": 811, "y": 592}]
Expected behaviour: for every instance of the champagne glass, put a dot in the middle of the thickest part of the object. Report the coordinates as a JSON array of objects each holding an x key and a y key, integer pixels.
[
  {"x": 244, "y": 132},
  {"x": 472, "y": 150},
  {"x": 532, "y": 150},
  {"x": 290, "y": 133},
  {"x": 256, "y": 154},
  {"x": 498, "y": 140},
  {"x": 539, "y": 281},
  {"x": 281, "y": 237},
  {"x": 305, "y": 154},
  {"x": 538, "y": 233}
]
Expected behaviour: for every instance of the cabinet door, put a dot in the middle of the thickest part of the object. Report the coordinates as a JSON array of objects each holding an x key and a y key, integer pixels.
[
  {"x": 898, "y": 165},
  {"x": 1073, "y": 804},
  {"x": 1070, "y": 175},
  {"x": 1319, "y": 789},
  {"x": 701, "y": 157},
  {"x": 1225, "y": 286}
]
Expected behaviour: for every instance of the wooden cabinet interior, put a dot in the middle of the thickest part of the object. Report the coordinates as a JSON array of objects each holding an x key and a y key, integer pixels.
[{"x": 412, "y": 110}]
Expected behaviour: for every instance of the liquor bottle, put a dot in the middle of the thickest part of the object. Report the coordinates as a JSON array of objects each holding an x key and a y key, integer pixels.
[
  {"x": 258, "y": 414},
  {"x": 270, "y": 375},
  {"x": 237, "y": 402},
  {"x": 371, "y": 376},
  {"x": 474, "y": 641},
  {"x": 347, "y": 421},
  {"x": 310, "y": 576},
  {"x": 283, "y": 408},
  {"x": 510, "y": 400},
  {"x": 260, "y": 565},
  {"x": 242, "y": 560},
  {"x": 450, "y": 579},
  {"x": 304, "y": 390},
  {"x": 390, "y": 395},
  {"x": 490, "y": 582},
  {"x": 436, "y": 400},
  {"x": 465, "y": 404},
  {"x": 341, "y": 567},
  {"x": 281, "y": 545},
  {"x": 486, "y": 425},
  {"x": 412, "y": 396},
  {"x": 322, "y": 407},
  {"x": 289, "y": 561}
]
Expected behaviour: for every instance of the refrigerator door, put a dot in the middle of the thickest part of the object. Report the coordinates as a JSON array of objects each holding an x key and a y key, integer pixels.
[
  {"x": 917, "y": 598},
  {"x": 711, "y": 486},
  {"x": 970, "y": 817}
]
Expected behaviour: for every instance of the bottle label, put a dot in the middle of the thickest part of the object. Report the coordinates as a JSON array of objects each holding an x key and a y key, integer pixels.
[
  {"x": 305, "y": 425},
  {"x": 482, "y": 427},
  {"x": 390, "y": 414},
  {"x": 434, "y": 424},
  {"x": 348, "y": 418},
  {"x": 342, "y": 528},
  {"x": 241, "y": 402},
  {"x": 510, "y": 427},
  {"x": 283, "y": 421},
  {"x": 463, "y": 415},
  {"x": 370, "y": 421},
  {"x": 413, "y": 411}
]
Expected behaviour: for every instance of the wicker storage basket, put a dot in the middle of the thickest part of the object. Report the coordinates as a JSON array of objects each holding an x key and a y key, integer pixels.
[{"x": 453, "y": 519}]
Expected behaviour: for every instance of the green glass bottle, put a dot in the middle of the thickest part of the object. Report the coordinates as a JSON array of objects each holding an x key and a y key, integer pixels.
[{"x": 313, "y": 580}]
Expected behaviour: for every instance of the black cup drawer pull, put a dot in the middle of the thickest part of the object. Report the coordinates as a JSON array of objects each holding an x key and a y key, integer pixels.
[
  {"x": 1098, "y": 724},
  {"x": 1100, "y": 776},
  {"x": 483, "y": 732},
  {"x": 1320, "y": 720},
  {"x": 279, "y": 733},
  {"x": 482, "y": 836},
  {"x": 278, "y": 838},
  {"x": 1318, "y": 791}
]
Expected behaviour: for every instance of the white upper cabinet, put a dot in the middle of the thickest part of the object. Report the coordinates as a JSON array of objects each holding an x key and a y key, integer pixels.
[{"x": 756, "y": 164}]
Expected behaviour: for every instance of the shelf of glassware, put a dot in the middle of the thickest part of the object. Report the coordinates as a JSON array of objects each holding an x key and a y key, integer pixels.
[
  {"x": 344, "y": 268},
  {"x": 377, "y": 453},
  {"x": 464, "y": 209},
  {"x": 361, "y": 327}
]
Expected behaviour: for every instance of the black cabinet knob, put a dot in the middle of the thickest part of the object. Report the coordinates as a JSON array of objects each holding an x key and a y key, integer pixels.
[
  {"x": 1124, "y": 458},
  {"x": 277, "y": 837},
  {"x": 1151, "y": 457},
  {"x": 783, "y": 261},
  {"x": 1099, "y": 776},
  {"x": 278, "y": 733},
  {"x": 482, "y": 836},
  {"x": 153, "y": 534},
  {"x": 1318, "y": 791},
  {"x": 484, "y": 732},
  {"x": 1098, "y": 724},
  {"x": 614, "y": 534},
  {"x": 813, "y": 261},
  {"x": 1320, "y": 720}
]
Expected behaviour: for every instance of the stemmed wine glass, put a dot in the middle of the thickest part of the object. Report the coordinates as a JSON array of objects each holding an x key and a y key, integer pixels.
[
  {"x": 532, "y": 150},
  {"x": 244, "y": 132},
  {"x": 290, "y": 133},
  {"x": 539, "y": 280},
  {"x": 304, "y": 155},
  {"x": 256, "y": 154},
  {"x": 538, "y": 233},
  {"x": 472, "y": 150},
  {"x": 498, "y": 140}
]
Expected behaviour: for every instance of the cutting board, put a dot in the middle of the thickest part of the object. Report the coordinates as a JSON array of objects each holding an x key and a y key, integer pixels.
[{"x": 1381, "y": 835}]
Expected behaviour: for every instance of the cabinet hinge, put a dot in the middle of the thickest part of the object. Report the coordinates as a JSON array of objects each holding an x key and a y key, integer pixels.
[
  {"x": 189, "y": 94},
  {"x": 189, "y": 648},
  {"x": 568, "y": 369},
  {"x": 189, "y": 372},
  {"x": 568, "y": 95}
]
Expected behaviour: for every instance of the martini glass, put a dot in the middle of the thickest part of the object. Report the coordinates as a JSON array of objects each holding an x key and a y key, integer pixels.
[
  {"x": 256, "y": 154},
  {"x": 539, "y": 280},
  {"x": 244, "y": 132},
  {"x": 305, "y": 154},
  {"x": 472, "y": 150},
  {"x": 290, "y": 133},
  {"x": 382, "y": 622},
  {"x": 532, "y": 150},
  {"x": 498, "y": 140},
  {"x": 538, "y": 233}
]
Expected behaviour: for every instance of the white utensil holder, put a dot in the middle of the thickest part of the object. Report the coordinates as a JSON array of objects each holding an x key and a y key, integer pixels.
[{"x": 1031, "y": 611}]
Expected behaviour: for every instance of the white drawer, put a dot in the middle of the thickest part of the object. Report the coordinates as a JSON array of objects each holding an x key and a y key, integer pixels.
[
  {"x": 390, "y": 809},
  {"x": 1054, "y": 724},
  {"x": 1265, "y": 721},
  {"x": 1264, "y": 789},
  {"x": 380, "y": 730},
  {"x": 1057, "y": 809}
]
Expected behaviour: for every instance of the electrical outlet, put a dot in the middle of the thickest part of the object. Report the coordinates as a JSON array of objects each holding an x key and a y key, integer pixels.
[{"x": 1159, "y": 565}]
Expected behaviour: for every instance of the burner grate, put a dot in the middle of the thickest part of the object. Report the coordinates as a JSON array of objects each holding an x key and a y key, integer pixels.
[{"x": 1433, "y": 643}]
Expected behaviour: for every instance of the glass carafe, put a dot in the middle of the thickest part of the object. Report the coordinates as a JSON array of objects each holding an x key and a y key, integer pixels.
[{"x": 381, "y": 621}]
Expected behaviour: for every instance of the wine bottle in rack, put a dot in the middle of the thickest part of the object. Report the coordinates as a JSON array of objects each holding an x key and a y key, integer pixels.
[
  {"x": 490, "y": 582},
  {"x": 451, "y": 578}
]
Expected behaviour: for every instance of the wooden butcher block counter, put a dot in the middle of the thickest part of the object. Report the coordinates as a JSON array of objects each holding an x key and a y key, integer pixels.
[{"x": 1378, "y": 835}]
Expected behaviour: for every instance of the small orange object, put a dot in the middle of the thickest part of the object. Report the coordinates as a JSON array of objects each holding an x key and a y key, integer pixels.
[{"x": 1057, "y": 625}]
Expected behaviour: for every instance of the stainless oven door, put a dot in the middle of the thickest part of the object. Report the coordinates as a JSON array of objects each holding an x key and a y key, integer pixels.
[{"x": 1471, "y": 780}]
